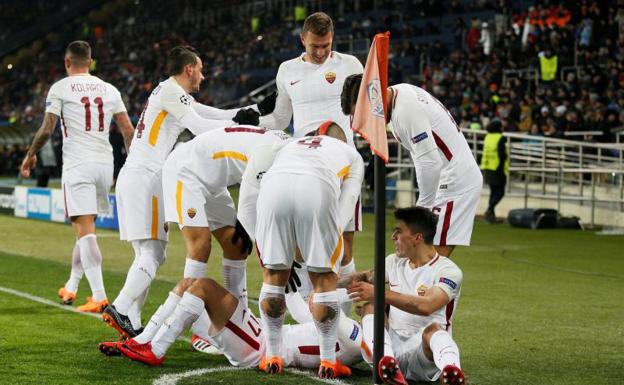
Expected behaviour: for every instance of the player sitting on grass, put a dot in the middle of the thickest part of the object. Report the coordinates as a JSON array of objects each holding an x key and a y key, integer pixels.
[
  {"x": 195, "y": 180},
  {"x": 423, "y": 295},
  {"x": 228, "y": 324}
]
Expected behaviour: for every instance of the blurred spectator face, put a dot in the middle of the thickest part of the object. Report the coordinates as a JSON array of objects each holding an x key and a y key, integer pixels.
[{"x": 318, "y": 48}]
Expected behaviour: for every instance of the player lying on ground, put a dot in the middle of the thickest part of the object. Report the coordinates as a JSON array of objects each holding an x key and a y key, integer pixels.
[
  {"x": 195, "y": 180},
  {"x": 449, "y": 179},
  {"x": 85, "y": 105},
  {"x": 423, "y": 295},
  {"x": 227, "y": 323},
  {"x": 169, "y": 111},
  {"x": 306, "y": 198}
]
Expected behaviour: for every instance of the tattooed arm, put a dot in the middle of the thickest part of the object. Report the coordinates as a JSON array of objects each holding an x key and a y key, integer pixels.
[{"x": 41, "y": 137}]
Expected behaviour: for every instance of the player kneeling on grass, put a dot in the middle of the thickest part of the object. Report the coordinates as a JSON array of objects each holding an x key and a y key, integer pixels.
[
  {"x": 195, "y": 180},
  {"x": 227, "y": 323},
  {"x": 418, "y": 341}
]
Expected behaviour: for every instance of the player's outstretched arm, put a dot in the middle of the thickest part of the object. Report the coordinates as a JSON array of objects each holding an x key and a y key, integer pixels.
[
  {"x": 428, "y": 169},
  {"x": 41, "y": 137},
  {"x": 282, "y": 112},
  {"x": 350, "y": 189},
  {"x": 208, "y": 112},
  {"x": 125, "y": 126}
]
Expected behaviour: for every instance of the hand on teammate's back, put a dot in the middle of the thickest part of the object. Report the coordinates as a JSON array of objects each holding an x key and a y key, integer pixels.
[
  {"x": 247, "y": 116},
  {"x": 241, "y": 234},
  {"x": 267, "y": 105},
  {"x": 294, "y": 283}
]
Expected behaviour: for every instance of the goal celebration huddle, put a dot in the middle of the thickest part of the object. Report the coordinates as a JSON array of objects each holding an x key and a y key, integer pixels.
[{"x": 298, "y": 208}]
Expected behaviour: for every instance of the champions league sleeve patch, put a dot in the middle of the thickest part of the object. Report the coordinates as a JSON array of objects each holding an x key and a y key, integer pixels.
[
  {"x": 448, "y": 282},
  {"x": 354, "y": 333},
  {"x": 420, "y": 137},
  {"x": 48, "y": 104},
  {"x": 186, "y": 100}
]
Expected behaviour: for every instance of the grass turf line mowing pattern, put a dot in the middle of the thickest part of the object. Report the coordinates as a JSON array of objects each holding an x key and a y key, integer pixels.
[{"x": 536, "y": 307}]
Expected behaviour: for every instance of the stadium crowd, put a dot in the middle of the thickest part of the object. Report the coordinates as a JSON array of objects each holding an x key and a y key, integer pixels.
[{"x": 466, "y": 72}]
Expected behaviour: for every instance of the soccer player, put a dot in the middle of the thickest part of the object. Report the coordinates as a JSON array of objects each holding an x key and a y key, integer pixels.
[
  {"x": 309, "y": 89},
  {"x": 223, "y": 320},
  {"x": 423, "y": 296},
  {"x": 306, "y": 198},
  {"x": 195, "y": 178},
  {"x": 85, "y": 105},
  {"x": 169, "y": 110},
  {"x": 449, "y": 179}
]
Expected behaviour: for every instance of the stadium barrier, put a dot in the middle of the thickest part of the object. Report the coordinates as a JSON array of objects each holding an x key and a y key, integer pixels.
[
  {"x": 7, "y": 200},
  {"x": 48, "y": 204}
]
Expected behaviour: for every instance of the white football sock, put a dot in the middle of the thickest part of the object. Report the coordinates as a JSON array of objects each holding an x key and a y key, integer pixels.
[
  {"x": 445, "y": 350},
  {"x": 140, "y": 276},
  {"x": 201, "y": 326},
  {"x": 134, "y": 313},
  {"x": 76, "y": 270},
  {"x": 195, "y": 269},
  {"x": 187, "y": 311},
  {"x": 272, "y": 325},
  {"x": 91, "y": 260},
  {"x": 327, "y": 328},
  {"x": 158, "y": 318},
  {"x": 368, "y": 334},
  {"x": 235, "y": 278}
]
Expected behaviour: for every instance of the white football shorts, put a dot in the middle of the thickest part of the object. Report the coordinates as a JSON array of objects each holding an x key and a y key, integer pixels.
[
  {"x": 189, "y": 203},
  {"x": 140, "y": 205},
  {"x": 456, "y": 214},
  {"x": 86, "y": 187},
  {"x": 298, "y": 210}
]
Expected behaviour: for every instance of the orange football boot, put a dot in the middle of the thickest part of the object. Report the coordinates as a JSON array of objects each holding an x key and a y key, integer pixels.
[
  {"x": 93, "y": 306},
  {"x": 271, "y": 365},
  {"x": 328, "y": 369},
  {"x": 66, "y": 296}
]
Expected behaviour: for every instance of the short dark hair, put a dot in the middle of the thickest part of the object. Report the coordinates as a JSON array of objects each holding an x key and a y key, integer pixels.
[
  {"x": 419, "y": 220},
  {"x": 79, "y": 53},
  {"x": 350, "y": 90},
  {"x": 319, "y": 23},
  {"x": 179, "y": 57}
]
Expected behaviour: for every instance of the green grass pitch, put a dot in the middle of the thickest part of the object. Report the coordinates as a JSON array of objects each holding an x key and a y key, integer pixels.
[{"x": 537, "y": 307}]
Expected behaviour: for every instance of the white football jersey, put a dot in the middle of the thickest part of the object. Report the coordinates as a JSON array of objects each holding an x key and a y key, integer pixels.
[
  {"x": 422, "y": 124},
  {"x": 85, "y": 104},
  {"x": 325, "y": 157},
  {"x": 218, "y": 158},
  {"x": 160, "y": 125},
  {"x": 311, "y": 93},
  {"x": 402, "y": 278}
]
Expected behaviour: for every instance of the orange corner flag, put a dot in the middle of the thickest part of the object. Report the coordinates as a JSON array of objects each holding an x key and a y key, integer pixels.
[{"x": 369, "y": 119}]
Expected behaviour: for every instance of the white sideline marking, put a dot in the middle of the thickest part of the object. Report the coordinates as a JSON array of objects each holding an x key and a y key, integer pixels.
[
  {"x": 166, "y": 379},
  {"x": 172, "y": 379}
]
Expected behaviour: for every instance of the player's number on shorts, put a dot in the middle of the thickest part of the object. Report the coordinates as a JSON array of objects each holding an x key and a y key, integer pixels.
[
  {"x": 255, "y": 330},
  {"x": 312, "y": 142},
  {"x": 87, "y": 105}
]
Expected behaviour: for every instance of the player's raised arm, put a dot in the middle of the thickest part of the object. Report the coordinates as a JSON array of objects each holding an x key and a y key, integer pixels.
[{"x": 41, "y": 137}]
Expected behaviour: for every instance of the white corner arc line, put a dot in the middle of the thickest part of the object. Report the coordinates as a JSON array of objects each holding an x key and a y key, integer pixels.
[
  {"x": 172, "y": 379},
  {"x": 166, "y": 379}
]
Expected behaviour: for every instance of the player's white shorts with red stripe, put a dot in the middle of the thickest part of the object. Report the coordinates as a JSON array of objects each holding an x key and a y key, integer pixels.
[
  {"x": 86, "y": 187},
  {"x": 298, "y": 210},
  {"x": 412, "y": 359},
  {"x": 140, "y": 206},
  {"x": 456, "y": 213},
  {"x": 241, "y": 340},
  {"x": 189, "y": 203}
]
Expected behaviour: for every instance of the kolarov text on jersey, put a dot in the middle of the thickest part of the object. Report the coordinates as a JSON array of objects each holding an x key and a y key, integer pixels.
[{"x": 85, "y": 104}]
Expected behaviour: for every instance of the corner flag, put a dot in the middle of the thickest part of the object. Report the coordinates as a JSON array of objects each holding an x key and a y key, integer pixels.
[{"x": 369, "y": 119}]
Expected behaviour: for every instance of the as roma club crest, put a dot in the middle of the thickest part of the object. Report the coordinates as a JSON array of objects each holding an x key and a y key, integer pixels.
[
  {"x": 191, "y": 212},
  {"x": 422, "y": 289},
  {"x": 330, "y": 77}
]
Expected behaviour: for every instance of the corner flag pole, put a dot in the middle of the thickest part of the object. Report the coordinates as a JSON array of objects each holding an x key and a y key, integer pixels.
[{"x": 369, "y": 121}]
